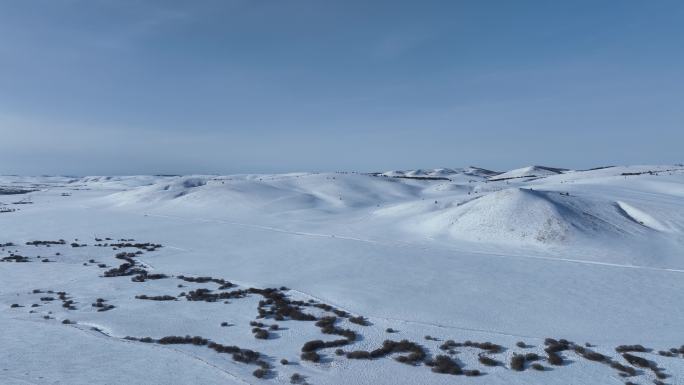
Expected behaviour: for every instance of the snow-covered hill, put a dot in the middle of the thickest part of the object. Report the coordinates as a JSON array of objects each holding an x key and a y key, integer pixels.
[
  {"x": 529, "y": 172},
  {"x": 453, "y": 253}
]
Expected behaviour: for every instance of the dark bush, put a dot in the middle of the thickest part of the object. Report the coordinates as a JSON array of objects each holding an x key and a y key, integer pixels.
[
  {"x": 296, "y": 378},
  {"x": 594, "y": 356},
  {"x": 156, "y": 297},
  {"x": 518, "y": 362},
  {"x": 284, "y": 362},
  {"x": 261, "y": 334},
  {"x": 623, "y": 368},
  {"x": 521, "y": 344},
  {"x": 631, "y": 348},
  {"x": 311, "y": 356},
  {"x": 359, "y": 355},
  {"x": 444, "y": 364},
  {"x": 557, "y": 347},
  {"x": 312, "y": 346},
  {"x": 554, "y": 358},
  {"x": 260, "y": 373},
  {"x": 487, "y": 361},
  {"x": 449, "y": 344},
  {"x": 492, "y": 348},
  {"x": 538, "y": 366},
  {"x": 360, "y": 320},
  {"x": 637, "y": 361}
]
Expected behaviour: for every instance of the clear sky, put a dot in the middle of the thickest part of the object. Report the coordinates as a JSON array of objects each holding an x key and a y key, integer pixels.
[{"x": 229, "y": 86}]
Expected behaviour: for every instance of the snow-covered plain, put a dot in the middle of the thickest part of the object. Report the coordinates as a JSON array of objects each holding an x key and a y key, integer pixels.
[{"x": 591, "y": 256}]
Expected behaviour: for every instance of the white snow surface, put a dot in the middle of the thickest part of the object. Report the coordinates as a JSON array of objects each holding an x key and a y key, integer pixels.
[{"x": 455, "y": 253}]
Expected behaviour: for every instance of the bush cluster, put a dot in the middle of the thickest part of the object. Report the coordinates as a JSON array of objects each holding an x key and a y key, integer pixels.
[
  {"x": 156, "y": 297},
  {"x": 416, "y": 352},
  {"x": 445, "y": 365}
]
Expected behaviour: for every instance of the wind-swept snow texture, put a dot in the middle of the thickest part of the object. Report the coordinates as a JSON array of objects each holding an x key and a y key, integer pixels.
[{"x": 463, "y": 254}]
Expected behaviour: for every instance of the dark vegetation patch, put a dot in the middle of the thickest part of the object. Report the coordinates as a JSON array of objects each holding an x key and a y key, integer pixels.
[
  {"x": 487, "y": 361},
  {"x": 207, "y": 295},
  {"x": 15, "y": 258},
  {"x": 15, "y": 191},
  {"x": 145, "y": 276},
  {"x": 590, "y": 354},
  {"x": 359, "y": 320},
  {"x": 156, "y": 297},
  {"x": 650, "y": 172},
  {"x": 518, "y": 362},
  {"x": 445, "y": 365},
  {"x": 554, "y": 358},
  {"x": 416, "y": 352},
  {"x": 310, "y": 356},
  {"x": 101, "y": 305},
  {"x": 638, "y": 361},
  {"x": 623, "y": 369},
  {"x": 126, "y": 243},
  {"x": 327, "y": 326},
  {"x": 245, "y": 356},
  {"x": 261, "y": 334},
  {"x": 260, "y": 373},
  {"x": 128, "y": 268},
  {"x": 67, "y": 303},
  {"x": 296, "y": 378},
  {"x": 46, "y": 243},
  {"x": 222, "y": 282},
  {"x": 275, "y": 304},
  {"x": 631, "y": 348},
  {"x": 451, "y": 344}
]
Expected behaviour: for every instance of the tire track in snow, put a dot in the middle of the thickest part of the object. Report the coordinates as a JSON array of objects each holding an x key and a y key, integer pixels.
[
  {"x": 423, "y": 247},
  {"x": 95, "y": 331},
  {"x": 412, "y": 322},
  {"x": 101, "y": 333}
]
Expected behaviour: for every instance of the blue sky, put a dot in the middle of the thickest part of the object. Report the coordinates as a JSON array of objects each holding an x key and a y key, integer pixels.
[{"x": 128, "y": 87}]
